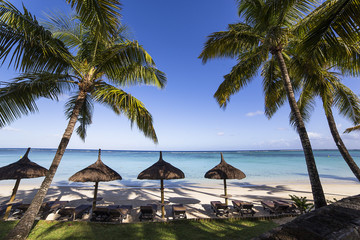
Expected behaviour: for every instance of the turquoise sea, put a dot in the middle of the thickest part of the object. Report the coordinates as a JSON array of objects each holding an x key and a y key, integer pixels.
[{"x": 260, "y": 167}]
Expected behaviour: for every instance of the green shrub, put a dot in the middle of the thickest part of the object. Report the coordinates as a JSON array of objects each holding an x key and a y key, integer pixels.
[{"x": 302, "y": 204}]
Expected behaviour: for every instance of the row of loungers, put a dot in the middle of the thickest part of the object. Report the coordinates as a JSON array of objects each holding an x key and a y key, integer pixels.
[
  {"x": 148, "y": 212},
  {"x": 247, "y": 208},
  {"x": 100, "y": 214}
]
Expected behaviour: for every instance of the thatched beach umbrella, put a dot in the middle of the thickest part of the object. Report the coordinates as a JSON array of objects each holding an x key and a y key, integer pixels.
[
  {"x": 24, "y": 168},
  {"x": 224, "y": 171},
  {"x": 97, "y": 172},
  {"x": 161, "y": 170}
]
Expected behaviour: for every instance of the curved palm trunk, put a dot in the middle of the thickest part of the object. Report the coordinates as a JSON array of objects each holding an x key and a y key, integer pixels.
[
  {"x": 341, "y": 146},
  {"x": 316, "y": 187},
  {"x": 22, "y": 229}
]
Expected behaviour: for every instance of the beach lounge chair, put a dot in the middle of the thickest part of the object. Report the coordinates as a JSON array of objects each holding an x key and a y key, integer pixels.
[
  {"x": 45, "y": 209},
  {"x": 219, "y": 208},
  {"x": 277, "y": 206},
  {"x": 244, "y": 207},
  {"x": 178, "y": 211},
  {"x": 111, "y": 213},
  {"x": 72, "y": 213},
  {"x": 3, "y": 207},
  {"x": 119, "y": 213},
  {"x": 148, "y": 212}
]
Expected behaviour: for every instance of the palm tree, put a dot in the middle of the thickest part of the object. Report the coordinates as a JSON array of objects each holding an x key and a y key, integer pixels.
[
  {"x": 267, "y": 29},
  {"x": 316, "y": 81},
  {"x": 85, "y": 57}
]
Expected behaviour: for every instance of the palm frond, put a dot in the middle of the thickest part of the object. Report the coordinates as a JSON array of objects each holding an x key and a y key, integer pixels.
[
  {"x": 29, "y": 46},
  {"x": 123, "y": 103},
  {"x": 347, "y": 102},
  {"x": 349, "y": 130},
  {"x": 332, "y": 20},
  {"x": 100, "y": 15},
  {"x": 290, "y": 12},
  {"x": 273, "y": 86},
  {"x": 241, "y": 74},
  {"x": 85, "y": 114},
  {"x": 306, "y": 105},
  {"x": 239, "y": 37},
  {"x": 128, "y": 64},
  {"x": 68, "y": 29},
  {"x": 18, "y": 97}
]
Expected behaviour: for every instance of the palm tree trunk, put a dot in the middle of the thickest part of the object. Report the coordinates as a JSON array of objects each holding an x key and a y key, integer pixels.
[
  {"x": 22, "y": 229},
  {"x": 316, "y": 187},
  {"x": 341, "y": 146}
]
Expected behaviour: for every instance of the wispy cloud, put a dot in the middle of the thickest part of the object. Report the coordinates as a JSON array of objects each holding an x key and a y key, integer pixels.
[
  {"x": 10, "y": 129},
  {"x": 220, "y": 133},
  {"x": 314, "y": 135},
  {"x": 252, "y": 114},
  {"x": 282, "y": 129}
]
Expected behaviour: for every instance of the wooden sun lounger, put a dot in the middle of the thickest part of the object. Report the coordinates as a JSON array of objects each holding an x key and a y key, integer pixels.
[
  {"x": 219, "y": 208},
  {"x": 3, "y": 207},
  {"x": 148, "y": 212},
  {"x": 71, "y": 213},
  {"x": 45, "y": 209},
  {"x": 244, "y": 207},
  {"x": 277, "y": 206},
  {"x": 111, "y": 213},
  {"x": 178, "y": 211}
]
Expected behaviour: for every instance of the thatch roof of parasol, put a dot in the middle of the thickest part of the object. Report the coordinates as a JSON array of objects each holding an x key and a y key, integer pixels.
[
  {"x": 97, "y": 172},
  {"x": 161, "y": 170},
  {"x": 224, "y": 171},
  {"x": 24, "y": 168}
]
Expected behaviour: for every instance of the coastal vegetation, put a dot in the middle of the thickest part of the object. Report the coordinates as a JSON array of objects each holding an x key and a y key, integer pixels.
[
  {"x": 276, "y": 36},
  {"x": 266, "y": 29},
  {"x": 184, "y": 229},
  {"x": 85, "y": 56}
]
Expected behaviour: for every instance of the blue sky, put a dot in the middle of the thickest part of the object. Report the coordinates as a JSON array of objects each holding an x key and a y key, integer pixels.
[{"x": 186, "y": 116}]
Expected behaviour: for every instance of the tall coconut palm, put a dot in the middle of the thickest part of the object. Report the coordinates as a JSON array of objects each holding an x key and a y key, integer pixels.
[
  {"x": 85, "y": 57},
  {"x": 266, "y": 29},
  {"x": 316, "y": 81}
]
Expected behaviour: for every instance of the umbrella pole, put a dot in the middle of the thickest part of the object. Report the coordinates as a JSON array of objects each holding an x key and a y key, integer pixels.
[
  {"x": 12, "y": 198},
  {"x": 162, "y": 198},
  {"x": 95, "y": 196},
  {"x": 225, "y": 192}
]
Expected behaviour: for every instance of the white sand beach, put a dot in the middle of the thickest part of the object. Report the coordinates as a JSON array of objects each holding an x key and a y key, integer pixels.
[{"x": 196, "y": 198}]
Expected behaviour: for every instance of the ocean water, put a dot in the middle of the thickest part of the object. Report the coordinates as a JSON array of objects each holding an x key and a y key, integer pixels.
[{"x": 260, "y": 167}]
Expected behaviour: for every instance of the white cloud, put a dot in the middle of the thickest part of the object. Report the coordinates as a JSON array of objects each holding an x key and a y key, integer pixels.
[
  {"x": 314, "y": 135},
  {"x": 10, "y": 129},
  {"x": 220, "y": 133},
  {"x": 282, "y": 129},
  {"x": 339, "y": 126},
  {"x": 252, "y": 114}
]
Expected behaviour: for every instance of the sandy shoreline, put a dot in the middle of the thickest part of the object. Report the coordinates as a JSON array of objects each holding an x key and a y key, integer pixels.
[{"x": 196, "y": 197}]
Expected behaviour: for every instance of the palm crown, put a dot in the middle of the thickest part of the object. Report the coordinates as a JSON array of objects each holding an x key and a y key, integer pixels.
[{"x": 74, "y": 57}]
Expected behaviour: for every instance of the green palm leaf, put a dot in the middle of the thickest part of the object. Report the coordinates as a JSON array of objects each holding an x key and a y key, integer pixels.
[
  {"x": 239, "y": 37},
  {"x": 127, "y": 64},
  {"x": 331, "y": 20},
  {"x": 241, "y": 74},
  {"x": 85, "y": 114},
  {"x": 102, "y": 16},
  {"x": 18, "y": 98},
  {"x": 123, "y": 103},
  {"x": 31, "y": 47}
]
